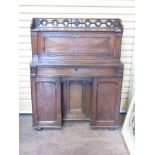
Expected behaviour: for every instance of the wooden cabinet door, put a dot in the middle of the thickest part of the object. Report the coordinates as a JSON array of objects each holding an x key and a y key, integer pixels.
[
  {"x": 76, "y": 99},
  {"x": 106, "y": 101},
  {"x": 47, "y": 102}
]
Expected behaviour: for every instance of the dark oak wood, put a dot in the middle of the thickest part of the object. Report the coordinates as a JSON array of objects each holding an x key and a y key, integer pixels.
[
  {"x": 76, "y": 73},
  {"x": 106, "y": 99},
  {"x": 76, "y": 99},
  {"x": 46, "y": 101}
]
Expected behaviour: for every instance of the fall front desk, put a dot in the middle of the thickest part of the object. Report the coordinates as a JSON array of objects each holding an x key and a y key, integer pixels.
[{"x": 76, "y": 72}]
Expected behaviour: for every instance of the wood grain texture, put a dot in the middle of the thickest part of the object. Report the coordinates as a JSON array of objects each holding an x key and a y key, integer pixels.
[
  {"x": 82, "y": 82},
  {"x": 90, "y": 44},
  {"x": 123, "y": 9},
  {"x": 46, "y": 97},
  {"x": 76, "y": 99},
  {"x": 78, "y": 43},
  {"x": 46, "y": 102}
]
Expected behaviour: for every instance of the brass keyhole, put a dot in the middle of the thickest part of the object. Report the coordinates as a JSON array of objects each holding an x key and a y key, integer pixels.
[{"x": 76, "y": 69}]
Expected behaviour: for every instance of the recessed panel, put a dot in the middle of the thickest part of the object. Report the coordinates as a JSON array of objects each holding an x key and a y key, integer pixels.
[
  {"x": 75, "y": 97},
  {"x": 46, "y": 101},
  {"x": 77, "y": 45},
  {"x": 76, "y": 100},
  {"x": 105, "y": 101}
]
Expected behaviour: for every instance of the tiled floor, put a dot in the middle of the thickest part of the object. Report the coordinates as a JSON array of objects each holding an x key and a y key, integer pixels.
[{"x": 73, "y": 139}]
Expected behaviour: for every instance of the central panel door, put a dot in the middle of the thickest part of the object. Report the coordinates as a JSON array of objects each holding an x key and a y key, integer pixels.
[{"x": 76, "y": 99}]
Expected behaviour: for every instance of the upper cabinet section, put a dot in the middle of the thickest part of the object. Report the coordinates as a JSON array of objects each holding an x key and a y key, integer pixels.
[
  {"x": 54, "y": 24},
  {"x": 93, "y": 39}
]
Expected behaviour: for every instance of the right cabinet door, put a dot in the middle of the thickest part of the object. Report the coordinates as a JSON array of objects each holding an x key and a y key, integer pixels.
[{"x": 106, "y": 102}]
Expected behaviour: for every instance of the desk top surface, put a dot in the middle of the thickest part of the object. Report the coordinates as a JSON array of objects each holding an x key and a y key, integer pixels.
[{"x": 77, "y": 63}]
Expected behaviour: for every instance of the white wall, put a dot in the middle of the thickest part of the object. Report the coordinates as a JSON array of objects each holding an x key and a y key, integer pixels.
[{"x": 28, "y": 9}]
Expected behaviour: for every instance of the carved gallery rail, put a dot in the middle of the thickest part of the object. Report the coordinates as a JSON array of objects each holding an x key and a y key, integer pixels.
[{"x": 76, "y": 72}]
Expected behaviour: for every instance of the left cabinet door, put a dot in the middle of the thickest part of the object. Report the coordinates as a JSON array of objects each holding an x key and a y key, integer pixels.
[{"x": 46, "y": 102}]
